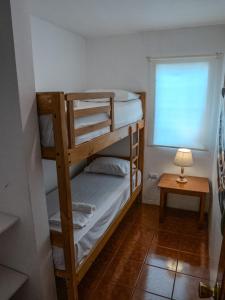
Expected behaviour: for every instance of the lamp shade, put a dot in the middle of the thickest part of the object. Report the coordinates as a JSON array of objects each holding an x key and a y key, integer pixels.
[{"x": 183, "y": 158}]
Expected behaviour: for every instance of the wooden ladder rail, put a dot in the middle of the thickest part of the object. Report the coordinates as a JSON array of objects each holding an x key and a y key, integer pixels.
[
  {"x": 134, "y": 159},
  {"x": 142, "y": 144}
]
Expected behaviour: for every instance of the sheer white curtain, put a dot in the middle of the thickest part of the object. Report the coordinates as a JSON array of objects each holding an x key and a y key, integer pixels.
[{"x": 183, "y": 90}]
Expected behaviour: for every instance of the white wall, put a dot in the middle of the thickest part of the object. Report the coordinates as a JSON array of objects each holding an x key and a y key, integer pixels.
[
  {"x": 59, "y": 58},
  {"x": 26, "y": 246},
  {"x": 120, "y": 62}
]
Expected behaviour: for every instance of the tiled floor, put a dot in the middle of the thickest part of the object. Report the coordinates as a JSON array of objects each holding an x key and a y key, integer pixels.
[{"x": 148, "y": 260}]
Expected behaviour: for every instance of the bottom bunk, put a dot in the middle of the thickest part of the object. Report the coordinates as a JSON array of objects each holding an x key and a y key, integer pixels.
[{"x": 109, "y": 198}]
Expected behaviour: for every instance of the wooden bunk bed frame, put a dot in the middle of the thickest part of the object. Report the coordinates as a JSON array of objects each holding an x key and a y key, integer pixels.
[{"x": 66, "y": 153}]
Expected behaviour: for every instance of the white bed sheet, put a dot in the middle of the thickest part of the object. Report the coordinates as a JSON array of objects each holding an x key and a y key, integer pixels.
[
  {"x": 124, "y": 113},
  {"x": 108, "y": 193}
]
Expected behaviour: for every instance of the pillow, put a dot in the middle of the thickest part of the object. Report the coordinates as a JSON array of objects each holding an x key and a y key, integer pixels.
[
  {"x": 120, "y": 95},
  {"x": 110, "y": 166}
]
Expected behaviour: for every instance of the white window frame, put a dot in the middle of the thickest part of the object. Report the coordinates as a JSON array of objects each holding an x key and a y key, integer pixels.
[{"x": 214, "y": 74}]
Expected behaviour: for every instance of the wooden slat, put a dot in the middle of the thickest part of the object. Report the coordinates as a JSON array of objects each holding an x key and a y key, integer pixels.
[
  {"x": 89, "y": 148},
  {"x": 88, "y": 96},
  {"x": 134, "y": 171},
  {"x": 61, "y": 274},
  {"x": 91, "y": 111},
  {"x": 90, "y": 128},
  {"x": 135, "y": 145},
  {"x": 134, "y": 159},
  {"x": 56, "y": 238},
  {"x": 48, "y": 153},
  {"x": 138, "y": 133},
  {"x": 92, "y": 157},
  {"x": 70, "y": 124},
  {"x": 83, "y": 268}
]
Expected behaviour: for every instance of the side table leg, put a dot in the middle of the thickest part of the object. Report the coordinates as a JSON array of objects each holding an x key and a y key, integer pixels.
[
  {"x": 165, "y": 201},
  {"x": 162, "y": 205},
  {"x": 202, "y": 210}
]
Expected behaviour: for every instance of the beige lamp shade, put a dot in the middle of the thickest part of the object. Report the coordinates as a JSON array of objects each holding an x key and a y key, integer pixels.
[{"x": 183, "y": 158}]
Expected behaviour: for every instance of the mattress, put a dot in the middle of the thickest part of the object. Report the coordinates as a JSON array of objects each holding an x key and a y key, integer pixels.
[
  {"x": 125, "y": 113},
  {"x": 108, "y": 193}
]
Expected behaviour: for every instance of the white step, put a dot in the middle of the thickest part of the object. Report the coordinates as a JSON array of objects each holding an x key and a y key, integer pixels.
[
  {"x": 10, "y": 282},
  {"x": 7, "y": 221}
]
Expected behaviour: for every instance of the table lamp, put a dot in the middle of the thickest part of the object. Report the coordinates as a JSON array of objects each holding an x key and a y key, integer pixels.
[{"x": 183, "y": 159}]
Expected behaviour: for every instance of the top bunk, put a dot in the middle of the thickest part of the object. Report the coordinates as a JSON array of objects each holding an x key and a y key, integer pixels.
[{"x": 82, "y": 124}]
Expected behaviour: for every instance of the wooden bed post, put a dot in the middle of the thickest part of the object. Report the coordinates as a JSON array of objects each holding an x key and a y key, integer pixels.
[
  {"x": 141, "y": 160},
  {"x": 131, "y": 159},
  {"x": 142, "y": 144},
  {"x": 64, "y": 188}
]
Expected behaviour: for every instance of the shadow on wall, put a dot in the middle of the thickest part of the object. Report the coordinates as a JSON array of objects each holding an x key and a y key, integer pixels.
[{"x": 50, "y": 175}]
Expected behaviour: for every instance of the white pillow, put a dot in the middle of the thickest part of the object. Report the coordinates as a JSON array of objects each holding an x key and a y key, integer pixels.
[
  {"x": 120, "y": 95},
  {"x": 110, "y": 166}
]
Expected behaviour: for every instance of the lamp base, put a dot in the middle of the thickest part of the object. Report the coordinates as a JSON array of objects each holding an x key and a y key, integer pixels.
[{"x": 181, "y": 180}]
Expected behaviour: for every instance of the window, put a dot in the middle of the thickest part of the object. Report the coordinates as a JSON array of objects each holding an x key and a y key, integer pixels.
[{"x": 182, "y": 102}]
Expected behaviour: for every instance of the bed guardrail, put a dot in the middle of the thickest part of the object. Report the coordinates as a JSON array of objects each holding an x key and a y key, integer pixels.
[
  {"x": 53, "y": 104},
  {"x": 72, "y": 114}
]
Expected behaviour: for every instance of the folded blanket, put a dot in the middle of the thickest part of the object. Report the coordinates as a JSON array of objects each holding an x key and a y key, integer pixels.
[
  {"x": 79, "y": 219},
  {"x": 83, "y": 207}
]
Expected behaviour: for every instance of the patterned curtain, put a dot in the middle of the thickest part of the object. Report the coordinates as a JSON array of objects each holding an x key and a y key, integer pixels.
[{"x": 221, "y": 160}]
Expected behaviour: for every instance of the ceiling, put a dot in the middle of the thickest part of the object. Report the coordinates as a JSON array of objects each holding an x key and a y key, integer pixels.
[{"x": 92, "y": 18}]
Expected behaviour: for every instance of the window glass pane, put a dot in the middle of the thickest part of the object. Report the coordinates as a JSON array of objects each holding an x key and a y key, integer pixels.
[{"x": 181, "y": 92}]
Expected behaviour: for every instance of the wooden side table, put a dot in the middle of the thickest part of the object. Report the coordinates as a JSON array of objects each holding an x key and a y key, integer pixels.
[{"x": 196, "y": 186}]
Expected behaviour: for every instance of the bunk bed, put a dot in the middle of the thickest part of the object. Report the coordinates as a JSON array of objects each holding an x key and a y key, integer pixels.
[{"x": 77, "y": 129}]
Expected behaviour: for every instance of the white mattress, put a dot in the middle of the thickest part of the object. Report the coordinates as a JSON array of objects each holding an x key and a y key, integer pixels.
[
  {"x": 108, "y": 193},
  {"x": 124, "y": 113}
]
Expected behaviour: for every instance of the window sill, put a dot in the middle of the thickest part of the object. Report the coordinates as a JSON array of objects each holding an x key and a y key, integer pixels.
[{"x": 174, "y": 147}]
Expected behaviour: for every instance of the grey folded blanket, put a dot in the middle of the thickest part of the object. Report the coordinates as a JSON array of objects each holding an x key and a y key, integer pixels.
[
  {"x": 79, "y": 219},
  {"x": 86, "y": 208}
]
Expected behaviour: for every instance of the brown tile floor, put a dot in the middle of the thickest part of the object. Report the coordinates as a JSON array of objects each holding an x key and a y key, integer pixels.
[{"x": 148, "y": 260}]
